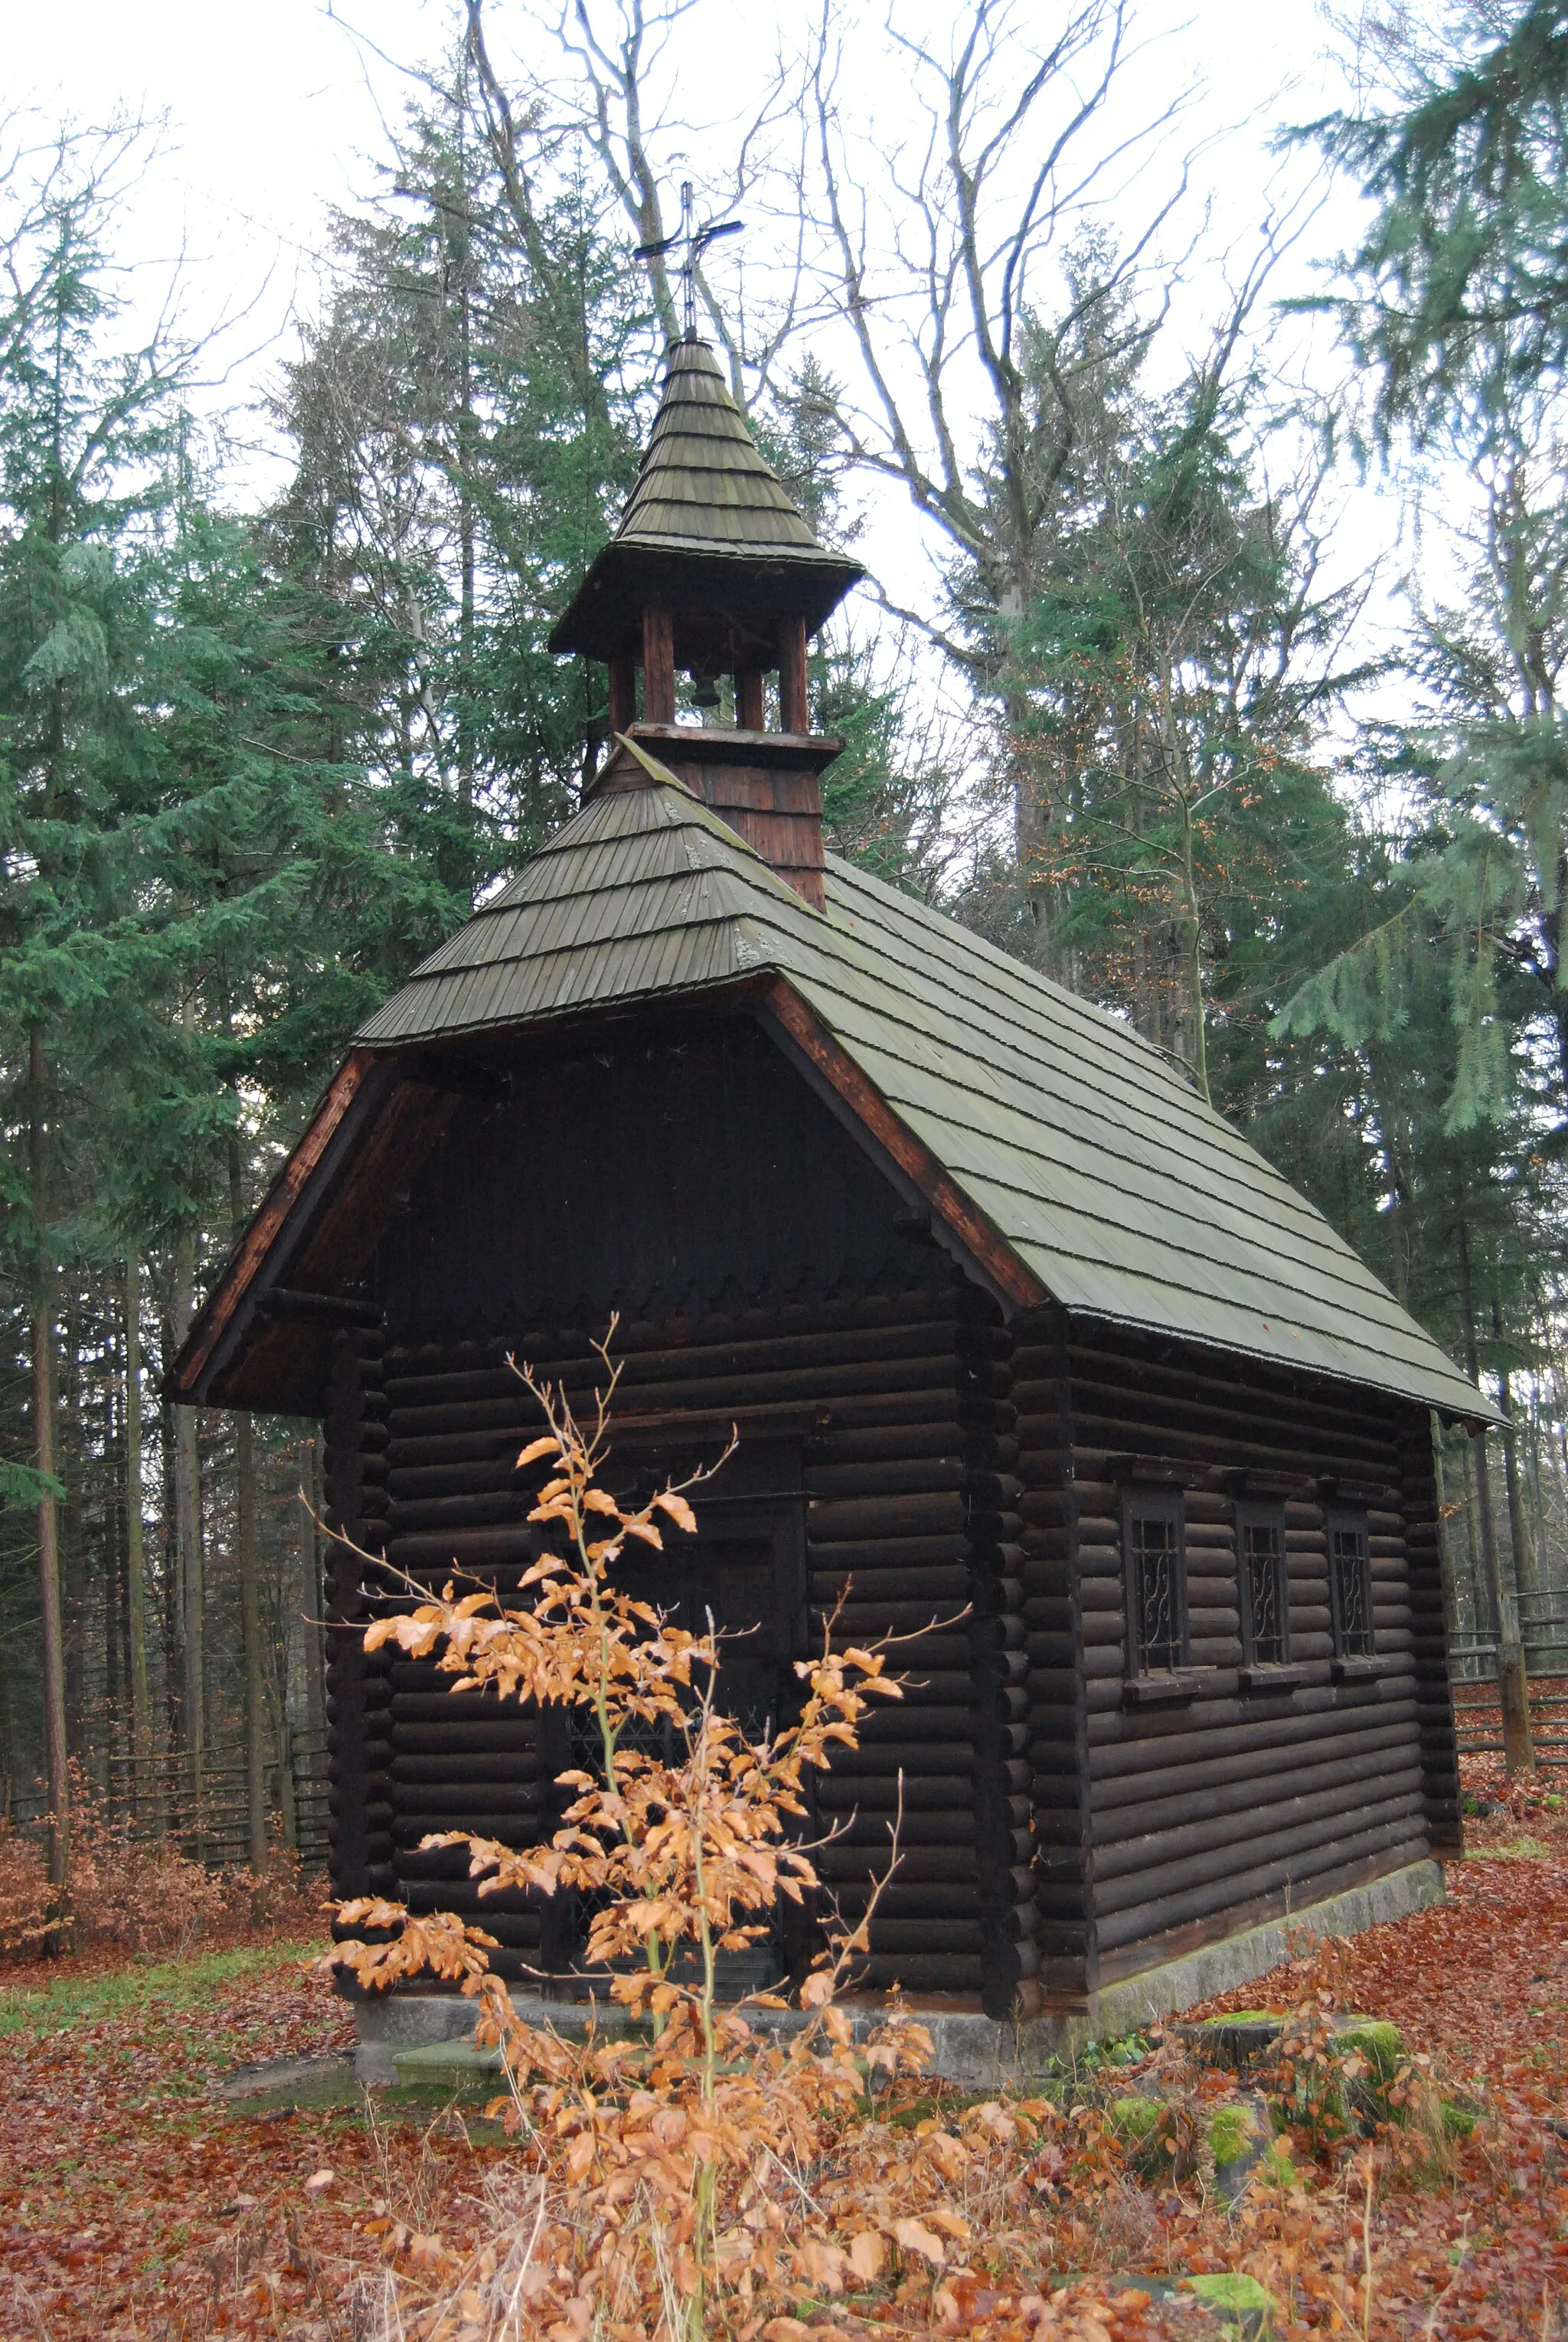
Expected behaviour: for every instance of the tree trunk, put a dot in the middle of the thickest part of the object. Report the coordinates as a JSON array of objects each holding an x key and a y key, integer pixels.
[
  {"x": 135, "y": 1555},
  {"x": 73, "y": 1557},
  {"x": 171, "y": 1616},
  {"x": 250, "y": 1584},
  {"x": 1522, "y": 1543},
  {"x": 1034, "y": 813},
  {"x": 113, "y": 1586},
  {"x": 1192, "y": 933},
  {"x": 1473, "y": 1583},
  {"x": 56, "y": 1767},
  {"x": 1538, "y": 1540},
  {"x": 287, "y": 1806},
  {"x": 7, "y": 1737},
  {"x": 1513, "y": 1687},
  {"x": 250, "y": 1617},
  {"x": 188, "y": 1545}
]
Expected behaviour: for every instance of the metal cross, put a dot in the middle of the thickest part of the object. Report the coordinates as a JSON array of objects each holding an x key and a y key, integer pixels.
[{"x": 696, "y": 242}]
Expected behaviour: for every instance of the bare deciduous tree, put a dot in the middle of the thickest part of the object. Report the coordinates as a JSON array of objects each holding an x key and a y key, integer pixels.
[
  {"x": 977, "y": 341},
  {"x": 604, "y": 97}
]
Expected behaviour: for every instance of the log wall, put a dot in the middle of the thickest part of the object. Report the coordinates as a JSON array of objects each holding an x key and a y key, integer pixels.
[
  {"x": 911, "y": 1523},
  {"x": 358, "y": 1687},
  {"x": 1197, "y": 1818},
  {"x": 952, "y": 1477}
]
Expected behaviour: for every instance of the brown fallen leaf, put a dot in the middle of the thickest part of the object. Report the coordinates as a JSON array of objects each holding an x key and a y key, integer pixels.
[{"x": 911, "y": 2237}]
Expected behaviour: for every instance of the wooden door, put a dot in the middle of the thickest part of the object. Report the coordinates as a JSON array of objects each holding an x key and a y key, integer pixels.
[{"x": 745, "y": 1569}]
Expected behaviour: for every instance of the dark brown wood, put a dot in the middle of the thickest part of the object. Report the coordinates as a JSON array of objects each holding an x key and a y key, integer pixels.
[
  {"x": 252, "y": 1250},
  {"x": 1200, "y": 1806},
  {"x": 956, "y": 1476},
  {"x": 658, "y": 666},
  {"x": 795, "y": 714},
  {"x": 997, "y": 1259},
  {"x": 1250, "y": 1912},
  {"x": 749, "y": 698},
  {"x": 352, "y": 1700},
  {"x": 318, "y": 1308},
  {"x": 766, "y": 789},
  {"x": 622, "y": 695}
]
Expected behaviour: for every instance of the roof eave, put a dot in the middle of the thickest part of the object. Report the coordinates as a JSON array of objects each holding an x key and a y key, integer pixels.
[{"x": 603, "y": 617}]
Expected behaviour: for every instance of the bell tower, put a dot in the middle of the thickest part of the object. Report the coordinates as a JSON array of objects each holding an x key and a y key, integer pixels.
[{"x": 714, "y": 572}]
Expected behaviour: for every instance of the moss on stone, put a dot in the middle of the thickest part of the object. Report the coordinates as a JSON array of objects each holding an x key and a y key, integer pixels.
[
  {"x": 1136, "y": 2118},
  {"x": 1376, "y": 2040},
  {"x": 1247, "y": 2307},
  {"x": 1231, "y": 2130}
]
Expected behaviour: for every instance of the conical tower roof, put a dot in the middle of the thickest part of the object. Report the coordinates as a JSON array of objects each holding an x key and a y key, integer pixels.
[
  {"x": 703, "y": 484},
  {"x": 708, "y": 522}
]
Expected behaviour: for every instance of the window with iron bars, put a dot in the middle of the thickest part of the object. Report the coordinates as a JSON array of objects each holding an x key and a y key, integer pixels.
[
  {"x": 1262, "y": 1586},
  {"x": 1349, "y": 1585},
  {"x": 1155, "y": 1557}
]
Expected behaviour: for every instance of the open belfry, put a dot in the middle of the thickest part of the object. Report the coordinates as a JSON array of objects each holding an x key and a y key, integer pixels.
[{"x": 1017, "y": 1336}]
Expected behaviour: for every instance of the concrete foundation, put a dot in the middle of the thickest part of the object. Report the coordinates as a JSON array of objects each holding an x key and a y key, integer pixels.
[
  {"x": 972, "y": 2050},
  {"x": 1137, "y": 2001}
]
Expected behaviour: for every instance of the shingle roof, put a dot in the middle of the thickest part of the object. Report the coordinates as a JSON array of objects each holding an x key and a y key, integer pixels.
[
  {"x": 1087, "y": 1152},
  {"x": 704, "y": 501},
  {"x": 703, "y": 484}
]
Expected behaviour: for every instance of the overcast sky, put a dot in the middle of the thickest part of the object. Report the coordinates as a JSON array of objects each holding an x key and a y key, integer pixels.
[
  {"x": 273, "y": 106},
  {"x": 276, "y": 112}
]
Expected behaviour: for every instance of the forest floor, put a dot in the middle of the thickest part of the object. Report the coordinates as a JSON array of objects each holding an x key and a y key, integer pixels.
[{"x": 136, "y": 2200}]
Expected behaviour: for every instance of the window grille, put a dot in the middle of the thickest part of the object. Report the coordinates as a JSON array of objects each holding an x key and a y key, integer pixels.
[
  {"x": 1157, "y": 1591},
  {"x": 1264, "y": 1588},
  {"x": 1350, "y": 1589}
]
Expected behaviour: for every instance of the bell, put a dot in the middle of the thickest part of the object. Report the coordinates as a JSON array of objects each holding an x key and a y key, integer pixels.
[{"x": 704, "y": 691}]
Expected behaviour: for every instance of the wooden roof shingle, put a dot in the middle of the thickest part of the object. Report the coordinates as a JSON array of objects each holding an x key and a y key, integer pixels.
[
  {"x": 1089, "y": 1155},
  {"x": 707, "y": 518}
]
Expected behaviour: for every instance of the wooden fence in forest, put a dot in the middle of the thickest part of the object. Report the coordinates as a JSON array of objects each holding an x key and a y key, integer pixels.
[
  {"x": 156, "y": 1801},
  {"x": 1478, "y": 1717},
  {"x": 218, "y": 1830}
]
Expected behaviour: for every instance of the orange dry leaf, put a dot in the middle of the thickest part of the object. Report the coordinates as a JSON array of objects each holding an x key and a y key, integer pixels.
[
  {"x": 911, "y": 2237},
  {"x": 868, "y": 2255}
]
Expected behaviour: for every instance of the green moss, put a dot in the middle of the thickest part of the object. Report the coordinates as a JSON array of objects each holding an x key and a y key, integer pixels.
[
  {"x": 1457, "y": 2121},
  {"x": 1277, "y": 2169},
  {"x": 70, "y": 2000},
  {"x": 1248, "y": 2306},
  {"x": 1247, "y": 2017},
  {"x": 1136, "y": 2118},
  {"x": 1376, "y": 2040},
  {"x": 1231, "y": 2130}
]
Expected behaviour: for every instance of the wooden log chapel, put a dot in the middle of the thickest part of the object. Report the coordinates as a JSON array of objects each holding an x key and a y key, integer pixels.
[{"x": 1015, "y": 1330}]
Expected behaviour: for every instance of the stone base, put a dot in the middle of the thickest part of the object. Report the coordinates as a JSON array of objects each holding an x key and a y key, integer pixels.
[
  {"x": 972, "y": 2050},
  {"x": 1136, "y": 2001}
]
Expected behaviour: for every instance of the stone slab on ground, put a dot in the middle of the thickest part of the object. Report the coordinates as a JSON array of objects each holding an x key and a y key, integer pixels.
[
  {"x": 449, "y": 2066},
  {"x": 1141, "y": 2001},
  {"x": 290, "y": 2084}
]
